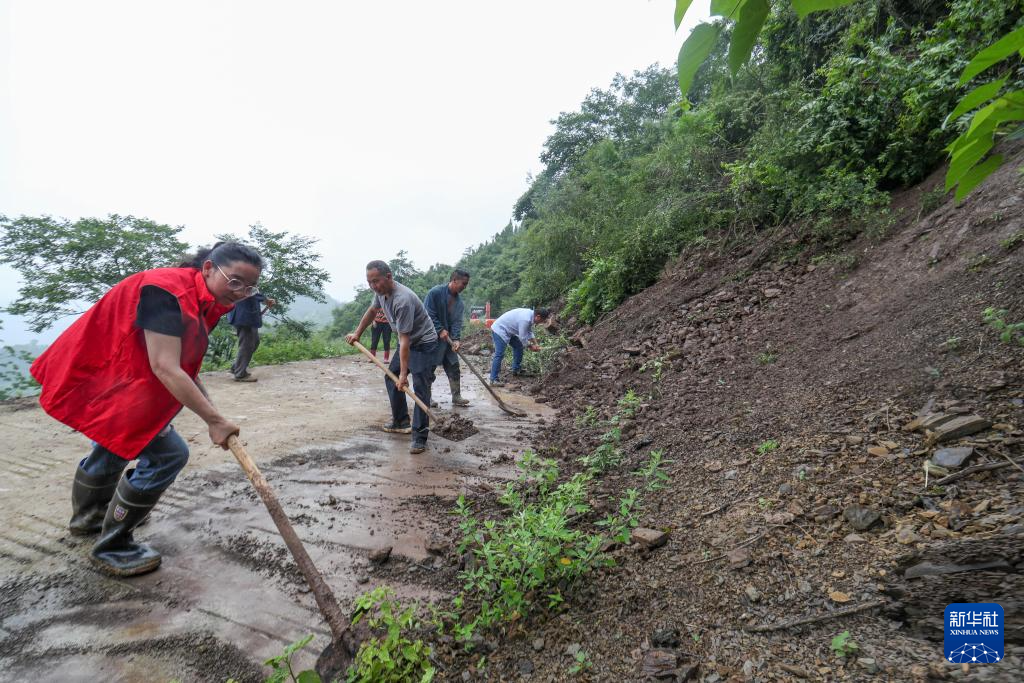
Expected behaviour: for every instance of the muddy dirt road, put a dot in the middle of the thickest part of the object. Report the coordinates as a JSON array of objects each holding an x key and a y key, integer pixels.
[{"x": 228, "y": 595}]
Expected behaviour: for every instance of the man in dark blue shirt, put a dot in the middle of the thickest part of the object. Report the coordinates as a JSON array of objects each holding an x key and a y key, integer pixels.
[
  {"x": 445, "y": 308},
  {"x": 247, "y": 318}
]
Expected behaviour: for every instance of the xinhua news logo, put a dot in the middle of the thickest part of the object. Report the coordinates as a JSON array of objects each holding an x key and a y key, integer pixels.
[{"x": 974, "y": 633}]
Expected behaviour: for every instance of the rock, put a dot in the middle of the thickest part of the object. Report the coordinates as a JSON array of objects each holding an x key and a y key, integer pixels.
[
  {"x": 752, "y": 593},
  {"x": 631, "y": 350},
  {"x": 786, "y": 489},
  {"x": 771, "y": 293},
  {"x": 779, "y": 518},
  {"x": 854, "y": 538},
  {"x": 666, "y": 636},
  {"x": 854, "y": 440},
  {"x": 730, "y": 475},
  {"x": 466, "y": 676},
  {"x": 932, "y": 421},
  {"x": 824, "y": 513},
  {"x": 525, "y": 667},
  {"x": 649, "y": 538},
  {"x": 437, "y": 544},
  {"x": 571, "y": 649},
  {"x": 959, "y": 427},
  {"x": 537, "y": 644},
  {"x": 906, "y": 535},
  {"x": 380, "y": 555},
  {"x": 713, "y": 466},
  {"x": 868, "y": 664},
  {"x": 362, "y": 578},
  {"x": 952, "y": 458},
  {"x": 658, "y": 664},
  {"x": 861, "y": 518},
  {"x": 878, "y": 451},
  {"x": 738, "y": 558}
]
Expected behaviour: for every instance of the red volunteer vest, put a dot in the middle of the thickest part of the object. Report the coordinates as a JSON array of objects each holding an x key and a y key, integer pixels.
[{"x": 96, "y": 377}]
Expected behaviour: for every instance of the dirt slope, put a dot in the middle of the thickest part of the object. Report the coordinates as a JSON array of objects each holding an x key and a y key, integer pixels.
[{"x": 829, "y": 357}]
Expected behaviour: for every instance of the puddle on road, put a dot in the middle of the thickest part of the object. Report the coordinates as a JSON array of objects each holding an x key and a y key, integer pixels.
[{"x": 226, "y": 571}]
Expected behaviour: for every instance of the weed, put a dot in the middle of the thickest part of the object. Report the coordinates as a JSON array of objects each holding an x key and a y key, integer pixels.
[
  {"x": 1008, "y": 332},
  {"x": 652, "y": 473},
  {"x": 629, "y": 404},
  {"x": 951, "y": 344},
  {"x": 394, "y": 657},
  {"x": 767, "y": 446},
  {"x": 767, "y": 358},
  {"x": 281, "y": 665},
  {"x": 979, "y": 262},
  {"x": 657, "y": 365},
  {"x": 932, "y": 200},
  {"x": 1013, "y": 241},
  {"x": 764, "y": 503},
  {"x": 529, "y": 554},
  {"x": 843, "y": 645},
  {"x": 551, "y": 345},
  {"x": 580, "y": 662},
  {"x": 588, "y": 418}
]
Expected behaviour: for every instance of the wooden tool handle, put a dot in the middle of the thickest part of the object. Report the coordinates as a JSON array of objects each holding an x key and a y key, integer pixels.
[
  {"x": 487, "y": 386},
  {"x": 325, "y": 599},
  {"x": 387, "y": 371}
]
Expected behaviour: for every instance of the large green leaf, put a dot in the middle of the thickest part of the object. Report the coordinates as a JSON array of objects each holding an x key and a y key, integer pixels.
[
  {"x": 1004, "y": 47},
  {"x": 752, "y": 17},
  {"x": 975, "y": 98},
  {"x": 726, "y": 8},
  {"x": 965, "y": 160},
  {"x": 693, "y": 53},
  {"x": 805, "y": 7},
  {"x": 972, "y": 178},
  {"x": 681, "y": 7}
]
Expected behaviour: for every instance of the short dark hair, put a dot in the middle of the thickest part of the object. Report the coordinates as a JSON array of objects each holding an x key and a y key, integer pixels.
[
  {"x": 222, "y": 254},
  {"x": 381, "y": 267},
  {"x": 459, "y": 274},
  {"x": 544, "y": 313}
]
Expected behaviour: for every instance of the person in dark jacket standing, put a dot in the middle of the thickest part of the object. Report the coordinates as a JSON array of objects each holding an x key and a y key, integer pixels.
[
  {"x": 247, "y": 319},
  {"x": 121, "y": 373},
  {"x": 445, "y": 308}
]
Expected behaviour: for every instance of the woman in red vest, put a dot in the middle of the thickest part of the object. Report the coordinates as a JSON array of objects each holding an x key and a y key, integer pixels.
[{"x": 121, "y": 373}]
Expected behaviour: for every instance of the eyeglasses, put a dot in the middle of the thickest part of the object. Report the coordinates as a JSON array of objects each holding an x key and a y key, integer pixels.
[{"x": 235, "y": 285}]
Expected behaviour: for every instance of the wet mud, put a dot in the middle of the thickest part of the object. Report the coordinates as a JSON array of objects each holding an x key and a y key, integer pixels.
[{"x": 228, "y": 594}]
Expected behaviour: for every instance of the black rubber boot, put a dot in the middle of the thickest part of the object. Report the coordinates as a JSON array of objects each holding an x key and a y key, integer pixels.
[
  {"x": 116, "y": 551},
  {"x": 90, "y": 496},
  {"x": 456, "y": 387}
]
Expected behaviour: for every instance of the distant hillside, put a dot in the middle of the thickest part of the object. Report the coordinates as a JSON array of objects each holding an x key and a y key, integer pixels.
[
  {"x": 307, "y": 310},
  {"x": 12, "y": 361}
]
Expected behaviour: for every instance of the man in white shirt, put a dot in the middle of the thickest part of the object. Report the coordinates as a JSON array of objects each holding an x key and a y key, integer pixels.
[{"x": 514, "y": 328}]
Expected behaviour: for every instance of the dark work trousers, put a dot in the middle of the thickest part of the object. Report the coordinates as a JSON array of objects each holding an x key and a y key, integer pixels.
[
  {"x": 248, "y": 342},
  {"x": 156, "y": 466},
  {"x": 422, "y": 363},
  {"x": 376, "y": 332},
  {"x": 450, "y": 363}
]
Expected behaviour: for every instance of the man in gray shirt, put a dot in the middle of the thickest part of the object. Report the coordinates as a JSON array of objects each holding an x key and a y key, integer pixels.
[{"x": 417, "y": 350}]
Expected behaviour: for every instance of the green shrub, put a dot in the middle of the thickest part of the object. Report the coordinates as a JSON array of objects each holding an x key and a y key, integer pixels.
[{"x": 395, "y": 657}]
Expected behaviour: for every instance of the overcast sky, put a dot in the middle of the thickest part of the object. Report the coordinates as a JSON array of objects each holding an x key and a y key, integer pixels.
[{"x": 374, "y": 126}]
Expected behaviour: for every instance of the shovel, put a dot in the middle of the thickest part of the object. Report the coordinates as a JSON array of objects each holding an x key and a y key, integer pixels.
[
  {"x": 501, "y": 404},
  {"x": 336, "y": 658},
  {"x": 454, "y": 428}
]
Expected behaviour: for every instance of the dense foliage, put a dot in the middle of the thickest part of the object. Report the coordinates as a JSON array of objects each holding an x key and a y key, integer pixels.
[{"x": 831, "y": 113}]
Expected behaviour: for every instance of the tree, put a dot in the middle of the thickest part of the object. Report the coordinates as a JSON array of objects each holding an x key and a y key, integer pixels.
[
  {"x": 66, "y": 266},
  {"x": 290, "y": 265}
]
